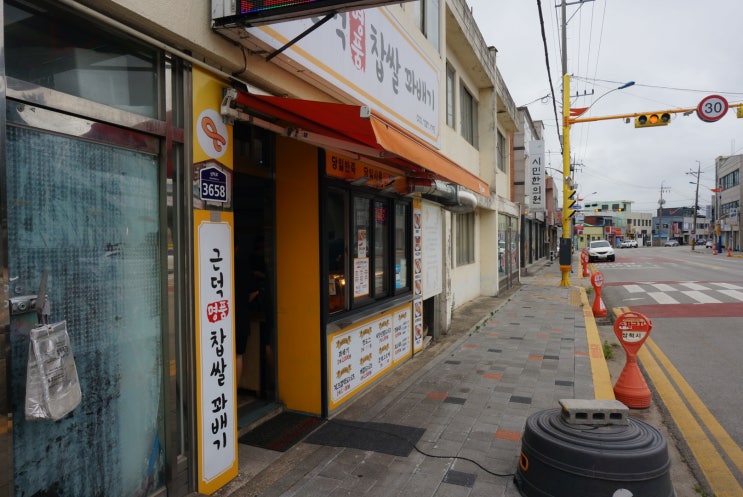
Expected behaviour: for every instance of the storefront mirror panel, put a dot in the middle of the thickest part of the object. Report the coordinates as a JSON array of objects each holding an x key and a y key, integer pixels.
[{"x": 89, "y": 215}]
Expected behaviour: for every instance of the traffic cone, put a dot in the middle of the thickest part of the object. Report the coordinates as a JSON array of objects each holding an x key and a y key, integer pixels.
[
  {"x": 729, "y": 251},
  {"x": 714, "y": 249}
]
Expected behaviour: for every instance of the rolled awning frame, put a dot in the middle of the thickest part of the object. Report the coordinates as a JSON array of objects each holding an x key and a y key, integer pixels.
[{"x": 355, "y": 130}]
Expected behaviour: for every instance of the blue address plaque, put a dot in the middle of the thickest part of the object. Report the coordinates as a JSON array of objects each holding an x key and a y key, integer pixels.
[{"x": 213, "y": 185}]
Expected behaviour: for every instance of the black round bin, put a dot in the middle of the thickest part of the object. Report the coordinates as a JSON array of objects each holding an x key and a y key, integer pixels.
[{"x": 560, "y": 459}]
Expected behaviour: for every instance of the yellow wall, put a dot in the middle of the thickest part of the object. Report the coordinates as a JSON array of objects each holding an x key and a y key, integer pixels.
[{"x": 298, "y": 276}]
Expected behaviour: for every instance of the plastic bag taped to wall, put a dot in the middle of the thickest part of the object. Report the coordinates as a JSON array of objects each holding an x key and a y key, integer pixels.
[{"x": 52, "y": 386}]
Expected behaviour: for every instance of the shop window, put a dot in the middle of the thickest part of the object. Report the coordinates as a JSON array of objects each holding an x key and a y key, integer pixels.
[
  {"x": 465, "y": 238},
  {"x": 501, "y": 151},
  {"x": 402, "y": 237},
  {"x": 450, "y": 98},
  {"x": 49, "y": 47},
  {"x": 336, "y": 221},
  {"x": 426, "y": 16},
  {"x": 375, "y": 233},
  {"x": 381, "y": 249},
  {"x": 469, "y": 116}
]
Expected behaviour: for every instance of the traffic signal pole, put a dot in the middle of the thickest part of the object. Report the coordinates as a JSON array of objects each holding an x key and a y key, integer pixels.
[
  {"x": 566, "y": 245},
  {"x": 637, "y": 114}
]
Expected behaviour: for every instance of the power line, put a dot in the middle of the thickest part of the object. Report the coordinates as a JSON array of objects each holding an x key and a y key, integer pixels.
[
  {"x": 549, "y": 73},
  {"x": 671, "y": 88}
]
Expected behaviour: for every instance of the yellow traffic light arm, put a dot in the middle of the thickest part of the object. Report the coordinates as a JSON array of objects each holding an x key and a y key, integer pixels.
[{"x": 636, "y": 114}]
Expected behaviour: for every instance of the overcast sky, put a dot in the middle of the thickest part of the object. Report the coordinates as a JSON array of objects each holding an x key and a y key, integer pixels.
[{"x": 677, "y": 52}]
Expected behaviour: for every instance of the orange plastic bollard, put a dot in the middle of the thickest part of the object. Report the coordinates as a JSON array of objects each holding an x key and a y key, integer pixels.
[
  {"x": 632, "y": 329},
  {"x": 714, "y": 249},
  {"x": 599, "y": 309},
  {"x": 729, "y": 251},
  {"x": 584, "y": 262}
]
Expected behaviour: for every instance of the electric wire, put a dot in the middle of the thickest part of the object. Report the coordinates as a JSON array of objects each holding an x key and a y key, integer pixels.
[
  {"x": 658, "y": 87},
  {"x": 420, "y": 451},
  {"x": 549, "y": 73}
]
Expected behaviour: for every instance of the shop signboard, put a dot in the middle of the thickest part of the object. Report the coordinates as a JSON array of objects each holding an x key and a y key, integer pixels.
[{"x": 368, "y": 55}]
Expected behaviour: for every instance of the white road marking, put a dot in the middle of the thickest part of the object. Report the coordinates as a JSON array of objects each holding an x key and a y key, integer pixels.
[
  {"x": 701, "y": 297},
  {"x": 662, "y": 287},
  {"x": 733, "y": 294},
  {"x": 663, "y": 298},
  {"x": 634, "y": 288},
  {"x": 729, "y": 286},
  {"x": 691, "y": 285}
]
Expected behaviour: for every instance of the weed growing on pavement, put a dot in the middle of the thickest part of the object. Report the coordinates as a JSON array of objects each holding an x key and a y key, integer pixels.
[
  {"x": 609, "y": 350},
  {"x": 698, "y": 489}
]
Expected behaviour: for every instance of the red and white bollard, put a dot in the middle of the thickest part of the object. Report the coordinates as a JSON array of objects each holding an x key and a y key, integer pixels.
[
  {"x": 632, "y": 329},
  {"x": 599, "y": 309}
]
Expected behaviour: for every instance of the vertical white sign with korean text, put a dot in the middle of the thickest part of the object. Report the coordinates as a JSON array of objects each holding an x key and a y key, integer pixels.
[
  {"x": 535, "y": 176},
  {"x": 368, "y": 55},
  {"x": 213, "y": 227},
  {"x": 216, "y": 348}
]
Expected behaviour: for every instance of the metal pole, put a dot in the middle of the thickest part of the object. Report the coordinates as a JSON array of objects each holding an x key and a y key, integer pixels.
[
  {"x": 566, "y": 252},
  {"x": 696, "y": 206}
]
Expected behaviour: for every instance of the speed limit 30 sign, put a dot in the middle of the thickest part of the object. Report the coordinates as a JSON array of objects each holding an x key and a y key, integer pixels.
[{"x": 712, "y": 108}]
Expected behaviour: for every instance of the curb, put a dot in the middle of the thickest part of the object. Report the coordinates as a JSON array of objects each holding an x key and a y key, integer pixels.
[{"x": 602, "y": 385}]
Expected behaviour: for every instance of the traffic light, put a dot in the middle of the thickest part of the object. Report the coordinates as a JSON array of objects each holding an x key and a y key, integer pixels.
[
  {"x": 568, "y": 210},
  {"x": 655, "y": 119}
]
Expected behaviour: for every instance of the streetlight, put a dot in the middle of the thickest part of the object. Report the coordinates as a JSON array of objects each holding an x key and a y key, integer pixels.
[{"x": 566, "y": 254}]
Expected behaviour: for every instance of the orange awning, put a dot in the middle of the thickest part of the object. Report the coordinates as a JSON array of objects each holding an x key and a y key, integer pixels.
[{"x": 342, "y": 126}]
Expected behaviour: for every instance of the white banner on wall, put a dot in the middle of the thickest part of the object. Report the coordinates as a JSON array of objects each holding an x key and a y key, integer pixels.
[
  {"x": 535, "y": 176},
  {"x": 368, "y": 55},
  {"x": 432, "y": 258}
]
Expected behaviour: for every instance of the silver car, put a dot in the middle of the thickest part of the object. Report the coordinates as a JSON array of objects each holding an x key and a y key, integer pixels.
[{"x": 600, "y": 250}]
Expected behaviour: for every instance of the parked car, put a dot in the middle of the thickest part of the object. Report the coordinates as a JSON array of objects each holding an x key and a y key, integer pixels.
[
  {"x": 628, "y": 244},
  {"x": 671, "y": 243},
  {"x": 709, "y": 244},
  {"x": 600, "y": 250}
]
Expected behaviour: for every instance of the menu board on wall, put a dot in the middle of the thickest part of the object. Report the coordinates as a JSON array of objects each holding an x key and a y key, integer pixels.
[
  {"x": 363, "y": 352},
  {"x": 418, "y": 276}
]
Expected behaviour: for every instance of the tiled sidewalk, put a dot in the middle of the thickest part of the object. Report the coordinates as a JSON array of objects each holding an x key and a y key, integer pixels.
[{"x": 465, "y": 409}]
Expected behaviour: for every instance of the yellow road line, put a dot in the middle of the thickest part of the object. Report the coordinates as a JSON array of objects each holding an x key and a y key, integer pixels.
[
  {"x": 711, "y": 462},
  {"x": 602, "y": 386},
  {"x": 722, "y": 437}
]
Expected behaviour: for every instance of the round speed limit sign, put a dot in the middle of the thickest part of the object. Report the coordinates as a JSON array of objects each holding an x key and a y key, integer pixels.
[{"x": 712, "y": 108}]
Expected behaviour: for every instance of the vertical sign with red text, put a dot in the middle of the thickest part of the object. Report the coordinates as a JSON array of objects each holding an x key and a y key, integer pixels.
[
  {"x": 216, "y": 347},
  {"x": 216, "y": 398}
]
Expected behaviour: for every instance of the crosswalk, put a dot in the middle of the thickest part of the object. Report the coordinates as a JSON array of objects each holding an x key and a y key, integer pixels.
[{"x": 685, "y": 292}]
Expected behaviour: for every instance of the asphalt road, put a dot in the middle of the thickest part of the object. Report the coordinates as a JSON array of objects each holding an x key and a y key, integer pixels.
[{"x": 694, "y": 301}]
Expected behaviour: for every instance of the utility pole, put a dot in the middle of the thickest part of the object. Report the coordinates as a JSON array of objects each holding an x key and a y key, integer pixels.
[
  {"x": 696, "y": 206},
  {"x": 566, "y": 244}
]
